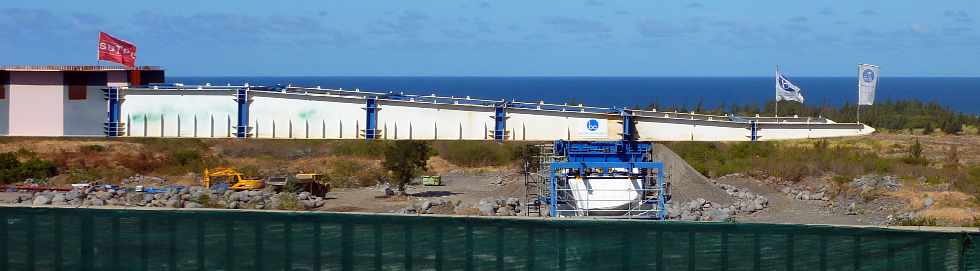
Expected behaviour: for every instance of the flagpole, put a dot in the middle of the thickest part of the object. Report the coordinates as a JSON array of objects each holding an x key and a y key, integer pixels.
[
  {"x": 776, "y": 111},
  {"x": 859, "y": 95}
]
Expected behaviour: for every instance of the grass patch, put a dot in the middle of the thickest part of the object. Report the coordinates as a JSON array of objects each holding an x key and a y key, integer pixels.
[
  {"x": 789, "y": 161},
  {"x": 917, "y": 221},
  {"x": 482, "y": 153},
  {"x": 353, "y": 173}
]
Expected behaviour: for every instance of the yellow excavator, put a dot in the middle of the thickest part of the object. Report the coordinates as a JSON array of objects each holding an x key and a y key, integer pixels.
[{"x": 232, "y": 177}]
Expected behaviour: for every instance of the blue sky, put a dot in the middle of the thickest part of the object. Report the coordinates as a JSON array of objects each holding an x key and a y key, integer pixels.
[{"x": 506, "y": 38}]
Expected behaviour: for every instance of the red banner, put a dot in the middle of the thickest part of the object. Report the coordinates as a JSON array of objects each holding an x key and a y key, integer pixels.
[{"x": 116, "y": 50}]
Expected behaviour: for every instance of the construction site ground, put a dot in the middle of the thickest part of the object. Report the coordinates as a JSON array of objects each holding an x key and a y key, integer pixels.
[{"x": 468, "y": 186}]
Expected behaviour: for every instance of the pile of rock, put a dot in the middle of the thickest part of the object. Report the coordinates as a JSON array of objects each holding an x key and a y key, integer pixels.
[
  {"x": 148, "y": 181},
  {"x": 874, "y": 182},
  {"x": 499, "y": 206},
  {"x": 436, "y": 206},
  {"x": 698, "y": 210},
  {"x": 805, "y": 194},
  {"x": 191, "y": 197},
  {"x": 744, "y": 201},
  {"x": 486, "y": 207}
]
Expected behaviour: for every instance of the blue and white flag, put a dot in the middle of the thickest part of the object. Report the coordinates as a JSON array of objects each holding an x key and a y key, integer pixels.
[
  {"x": 786, "y": 90},
  {"x": 867, "y": 82}
]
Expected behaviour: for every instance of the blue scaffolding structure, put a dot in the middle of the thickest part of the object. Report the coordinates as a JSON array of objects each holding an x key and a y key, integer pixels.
[{"x": 626, "y": 160}]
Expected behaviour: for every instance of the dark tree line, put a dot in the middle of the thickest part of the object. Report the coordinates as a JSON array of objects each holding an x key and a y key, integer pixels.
[{"x": 891, "y": 115}]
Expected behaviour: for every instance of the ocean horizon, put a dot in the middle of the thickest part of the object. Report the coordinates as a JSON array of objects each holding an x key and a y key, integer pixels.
[{"x": 959, "y": 93}]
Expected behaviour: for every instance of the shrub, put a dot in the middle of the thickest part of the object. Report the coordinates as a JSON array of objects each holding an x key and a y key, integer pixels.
[
  {"x": 914, "y": 154},
  {"x": 12, "y": 170},
  {"x": 917, "y": 221},
  {"x": 406, "y": 159},
  {"x": 928, "y": 129},
  {"x": 288, "y": 201},
  {"x": 9, "y": 167},
  {"x": 185, "y": 157},
  {"x": 952, "y": 127}
]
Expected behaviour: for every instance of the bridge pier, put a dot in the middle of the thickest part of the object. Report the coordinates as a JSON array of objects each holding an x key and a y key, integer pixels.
[
  {"x": 244, "y": 99},
  {"x": 500, "y": 122},
  {"x": 113, "y": 126},
  {"x": 371, "y": 122}
]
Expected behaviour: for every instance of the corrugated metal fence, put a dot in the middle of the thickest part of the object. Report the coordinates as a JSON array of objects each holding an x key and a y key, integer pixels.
[{"x": 113, "y": 239}]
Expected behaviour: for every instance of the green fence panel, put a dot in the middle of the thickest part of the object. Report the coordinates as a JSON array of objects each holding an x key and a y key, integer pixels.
[{"x": 142, "y": 239}]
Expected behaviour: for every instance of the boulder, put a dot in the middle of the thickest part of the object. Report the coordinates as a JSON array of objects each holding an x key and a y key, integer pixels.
[
  {"x": 486, "y": 209},
  {"x": 505, "y": 211},
  {"x": 513, "y": 202},
  {"x": 308, "y": 204},
  {"x": 59, "y": 198},
  {"x": 928, "y": 202},
  {"x": 193, "y": 205},
  {"x": 173, "y": 203},
  {"x": 42, "y": 200}
]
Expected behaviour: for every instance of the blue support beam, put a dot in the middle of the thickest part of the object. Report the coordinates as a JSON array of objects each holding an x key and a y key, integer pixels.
[
  {"x": 114, "y": 125},
  {"x": 244, "y": 99},
  {"x": 628, "y": 125},
  {"x": 500, "y": 122},
  {"x": 754, "y": 126},
  {"x": 371, "y": 121}
]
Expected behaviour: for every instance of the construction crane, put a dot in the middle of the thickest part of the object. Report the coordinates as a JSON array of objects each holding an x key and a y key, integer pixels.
[{"x": 231, "y": 177}]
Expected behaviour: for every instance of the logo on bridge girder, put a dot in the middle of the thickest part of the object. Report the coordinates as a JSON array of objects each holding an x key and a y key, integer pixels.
[{"x": 592, "y": 125}]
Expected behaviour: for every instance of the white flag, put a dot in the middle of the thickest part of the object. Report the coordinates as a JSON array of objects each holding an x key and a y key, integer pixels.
[
  {"x": 867, "y": 83},
  {"x": 786, "y": 90}
]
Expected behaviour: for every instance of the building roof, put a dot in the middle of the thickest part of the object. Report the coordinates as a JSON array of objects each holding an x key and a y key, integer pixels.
[{"x": 87, "y": 68}]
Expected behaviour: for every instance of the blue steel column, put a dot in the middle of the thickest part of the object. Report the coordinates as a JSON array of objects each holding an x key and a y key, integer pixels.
[
  {"x": 113, "y": 126},
  {"x": 371, "y": 123},
  {"x": 242, "y": 130},
  {"x": 500, "y": 122},
  {"x": 627, "y": 124},
  {"x": 754, "y": 125}
]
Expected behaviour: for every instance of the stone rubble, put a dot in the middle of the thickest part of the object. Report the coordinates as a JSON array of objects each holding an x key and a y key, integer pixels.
[
  {"x": 872, "y": 182},
  {"x": 190, "y": 197},
  {"x": 744, "y": 202},
  {"x": 485, "y": 207}
]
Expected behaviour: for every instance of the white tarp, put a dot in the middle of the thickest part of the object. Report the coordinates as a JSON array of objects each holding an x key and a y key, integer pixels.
[{"x": 867, "y": 83}]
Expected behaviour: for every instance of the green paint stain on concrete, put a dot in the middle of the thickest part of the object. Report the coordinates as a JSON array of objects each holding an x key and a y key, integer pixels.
[{"x": 307, "y": 114}]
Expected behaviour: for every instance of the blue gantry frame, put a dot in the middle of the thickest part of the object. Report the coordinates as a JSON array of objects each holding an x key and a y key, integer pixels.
[{"x": 604, "y": 156}]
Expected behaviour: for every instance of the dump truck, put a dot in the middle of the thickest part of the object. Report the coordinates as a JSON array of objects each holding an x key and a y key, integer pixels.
[
  {"x": 309, "y": 182},
  {"x": 232, "y": 177},
  {"x": 313, "y": 183}
]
